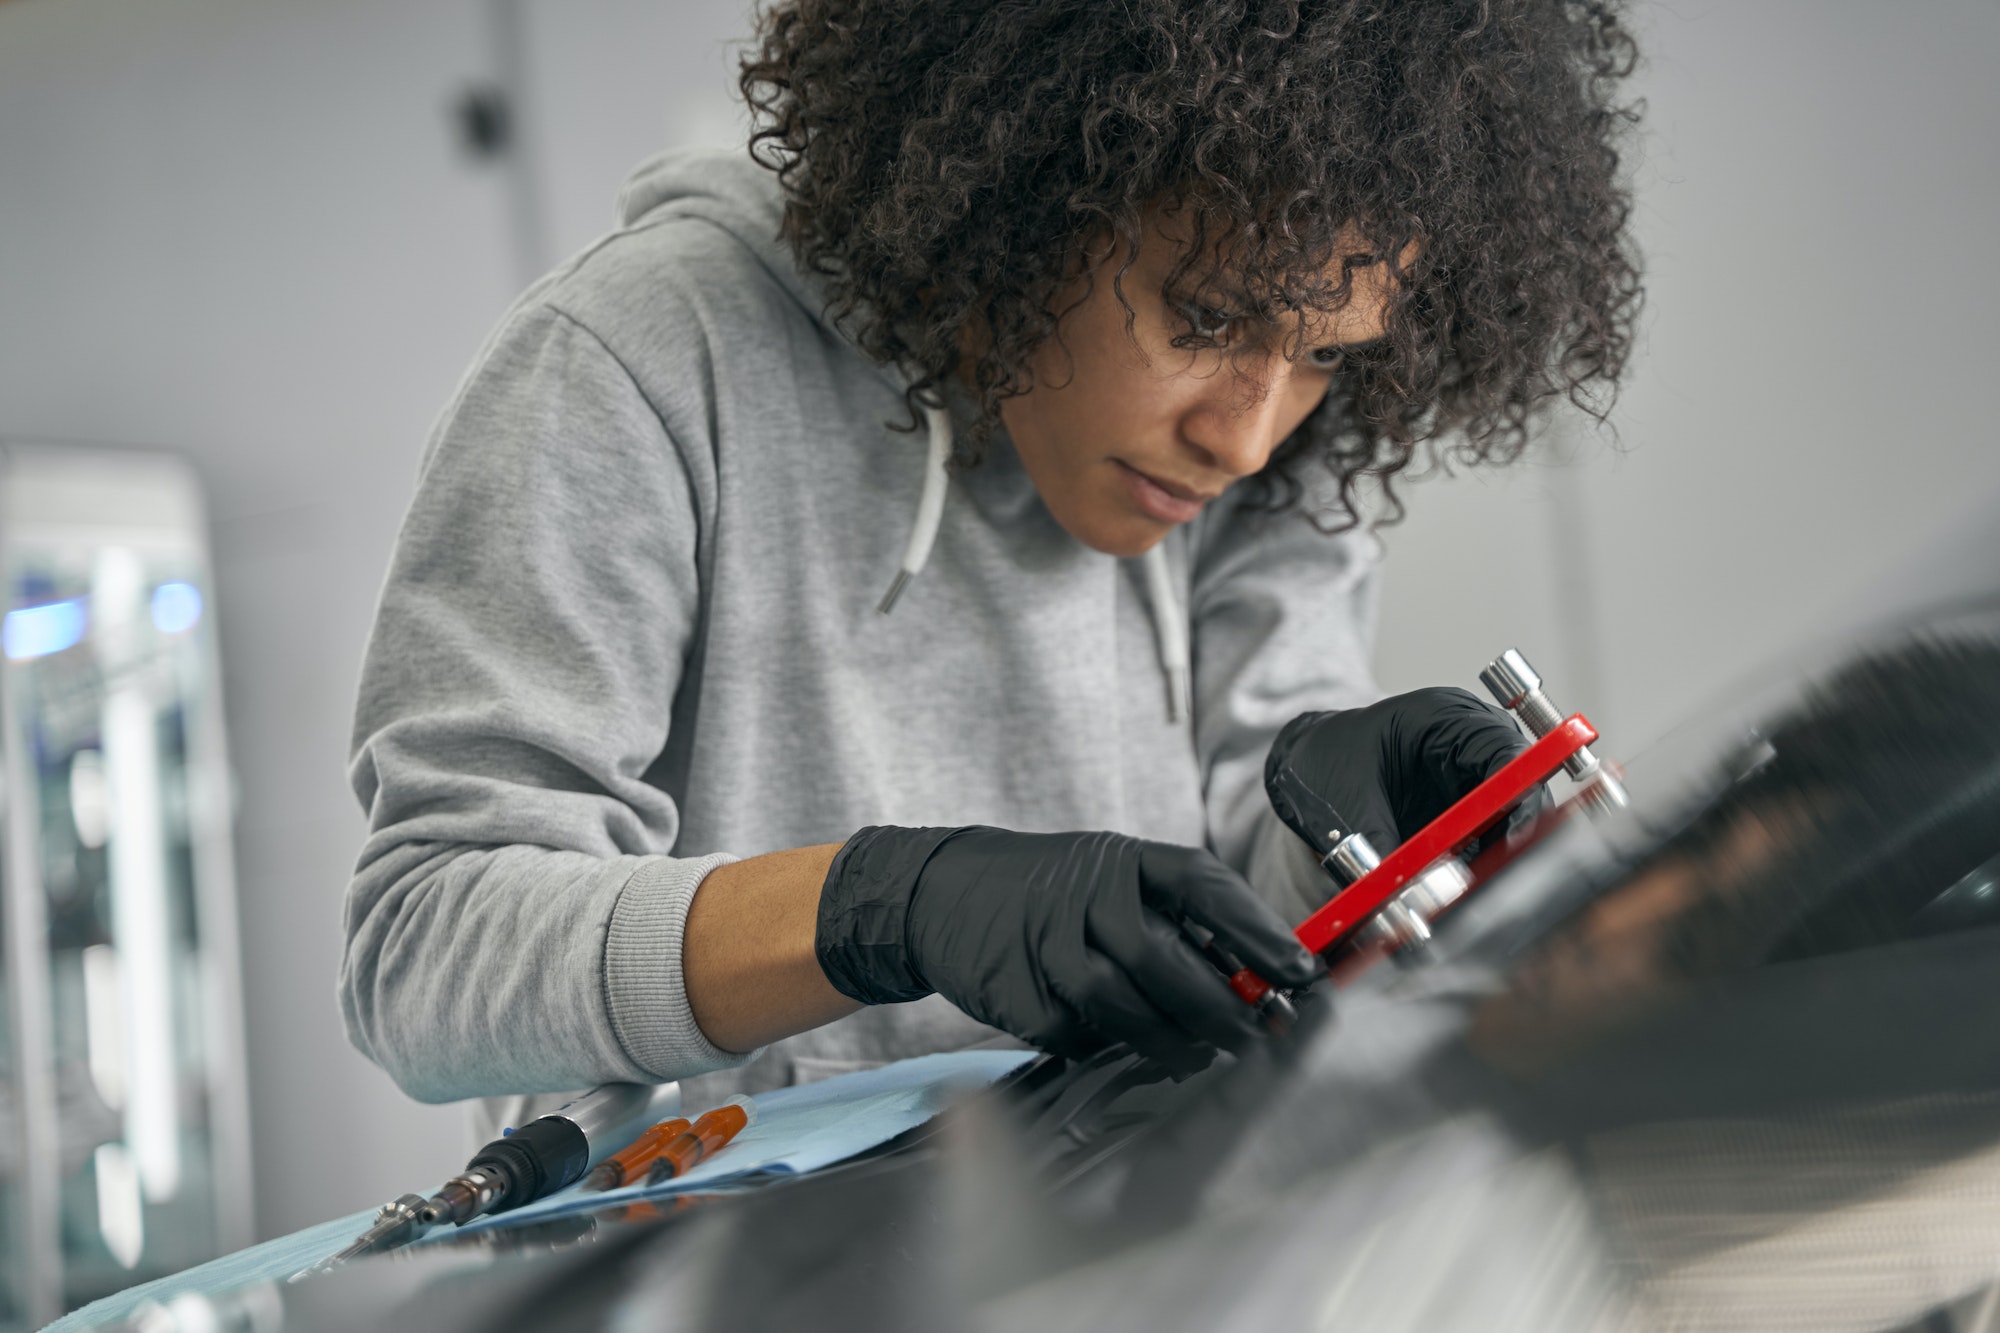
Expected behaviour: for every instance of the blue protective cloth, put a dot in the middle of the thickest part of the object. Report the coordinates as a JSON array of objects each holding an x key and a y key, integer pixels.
[
  {"x": 273, "y": 1261},
  {"x": 797, "y": 1129},
  {"x": 803, "y": 1128}
]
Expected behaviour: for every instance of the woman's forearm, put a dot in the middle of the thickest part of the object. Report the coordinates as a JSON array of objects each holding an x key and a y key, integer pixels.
[{"x": 747, "y": 954}]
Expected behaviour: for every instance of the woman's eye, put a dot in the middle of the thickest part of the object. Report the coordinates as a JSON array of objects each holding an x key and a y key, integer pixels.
[
  {"x": 1209, "y": 322},
  {"x": 1327, "y": 358}
]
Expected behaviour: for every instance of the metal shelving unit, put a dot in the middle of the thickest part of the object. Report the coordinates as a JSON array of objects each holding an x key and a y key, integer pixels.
[{"x": 124, "y": 1139}]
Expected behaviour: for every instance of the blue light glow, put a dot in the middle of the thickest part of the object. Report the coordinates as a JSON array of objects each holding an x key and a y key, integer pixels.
[
  {"x": 37, "y": 631},
  {"x": 176, "y": 606}
]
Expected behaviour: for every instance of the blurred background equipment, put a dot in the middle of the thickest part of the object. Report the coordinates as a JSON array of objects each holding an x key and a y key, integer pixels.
[{"x": 126, "y": 1151}]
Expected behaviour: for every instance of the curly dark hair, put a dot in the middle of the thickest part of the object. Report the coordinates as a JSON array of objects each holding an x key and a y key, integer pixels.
[{"x": 955, "y": 163}]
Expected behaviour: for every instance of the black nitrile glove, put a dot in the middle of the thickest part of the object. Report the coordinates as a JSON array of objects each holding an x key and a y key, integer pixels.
[
  {"x": 1071, "y": 941},
  {"x": 1387, "y": 770}
]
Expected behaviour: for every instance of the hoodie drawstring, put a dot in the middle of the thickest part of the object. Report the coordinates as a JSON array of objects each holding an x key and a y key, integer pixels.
[
  {"x": 930, "y": 506},
  {"x": 1170, "y": 629},
  {"x": 1170, "y": 625}
]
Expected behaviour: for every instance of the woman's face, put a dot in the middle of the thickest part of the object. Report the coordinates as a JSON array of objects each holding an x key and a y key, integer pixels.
[{"x": 1126, "y": 436}]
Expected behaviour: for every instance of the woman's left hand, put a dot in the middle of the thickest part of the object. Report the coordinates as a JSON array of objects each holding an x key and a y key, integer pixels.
[{"x": 1388, "y": 769}]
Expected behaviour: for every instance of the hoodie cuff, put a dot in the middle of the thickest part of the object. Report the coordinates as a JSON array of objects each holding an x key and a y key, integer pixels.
[{"x": 644, "y": 987}]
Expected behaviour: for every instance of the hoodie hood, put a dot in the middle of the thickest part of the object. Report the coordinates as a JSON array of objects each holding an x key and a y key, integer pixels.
[{"x": 731, "y": 191}]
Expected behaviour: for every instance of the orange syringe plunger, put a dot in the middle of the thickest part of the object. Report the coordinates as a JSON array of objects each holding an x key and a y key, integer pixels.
[
  {"x": 631, "y": 1163},
  {"x": 703, "y": 1139}
]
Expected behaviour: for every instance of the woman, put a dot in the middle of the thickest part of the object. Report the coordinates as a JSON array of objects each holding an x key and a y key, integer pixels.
[{"x": 973, "y": 463}]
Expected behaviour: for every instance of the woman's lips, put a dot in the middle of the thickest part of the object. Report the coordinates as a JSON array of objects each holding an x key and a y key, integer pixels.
[{"x": 1156, "y": 501}]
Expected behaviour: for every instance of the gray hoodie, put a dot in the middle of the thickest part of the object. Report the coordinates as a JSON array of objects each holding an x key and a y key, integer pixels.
[{"x": 630, "y": 632}]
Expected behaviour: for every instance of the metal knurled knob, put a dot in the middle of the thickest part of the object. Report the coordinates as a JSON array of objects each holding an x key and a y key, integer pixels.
[{"x": 1518, "y": 688}]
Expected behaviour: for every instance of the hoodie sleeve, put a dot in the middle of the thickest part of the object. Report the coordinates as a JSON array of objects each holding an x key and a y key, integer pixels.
[
  {"x": 1282, "y": 620},
  {"x": 514, "y": 923}
]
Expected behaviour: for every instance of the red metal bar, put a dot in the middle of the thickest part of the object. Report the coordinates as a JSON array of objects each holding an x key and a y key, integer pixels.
[{"x": 1472, "y": 815}]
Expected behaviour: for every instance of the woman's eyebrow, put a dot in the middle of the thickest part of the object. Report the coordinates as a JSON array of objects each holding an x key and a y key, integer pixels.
[{"x": 1235, "y": 304}]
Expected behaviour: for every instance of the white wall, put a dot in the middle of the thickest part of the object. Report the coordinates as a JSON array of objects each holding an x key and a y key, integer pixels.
[
  {"x": 614, "y": 81},
  {"x": 241, "y": 228}
]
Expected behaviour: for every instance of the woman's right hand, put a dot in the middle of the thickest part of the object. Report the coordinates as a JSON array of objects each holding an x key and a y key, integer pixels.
[{"x": 1072, "y": 941}]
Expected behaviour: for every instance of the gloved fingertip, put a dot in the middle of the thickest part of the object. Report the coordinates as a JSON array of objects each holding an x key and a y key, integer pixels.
[
  {"x": 1304, "y": 973},
  {"x": 1295, "y": 966}
]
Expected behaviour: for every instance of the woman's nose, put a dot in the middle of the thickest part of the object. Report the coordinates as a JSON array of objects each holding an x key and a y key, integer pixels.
[{"x": 1237, "y": 423}]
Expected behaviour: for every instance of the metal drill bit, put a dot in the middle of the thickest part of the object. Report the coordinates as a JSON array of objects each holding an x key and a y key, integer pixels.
[{"x": 397, "y": 1223}]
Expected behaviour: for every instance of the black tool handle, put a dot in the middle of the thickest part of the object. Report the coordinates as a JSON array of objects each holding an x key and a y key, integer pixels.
[{"x": 537, "y": 1159}]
